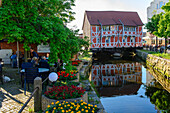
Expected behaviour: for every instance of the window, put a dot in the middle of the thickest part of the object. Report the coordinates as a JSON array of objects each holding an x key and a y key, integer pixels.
[
  {"x": 112, "y": 28},
  {"x": 160, "y": 4},
  {"x": 153, "y": 41},
  {"x": 124, "y": 39},
  {"x": 97, "y": 29},
  {"x": 132, "y": 28},
  {"x": 98, "y": 40},
  {"x": 106, "y": 28},
  {"x": 126, "y": 28},
  {"x": 131, "y": 39},
  {"x": 157, "y": 6},
  {"x": 107, "y": 39},
  {"x": 160, "y": 41}
]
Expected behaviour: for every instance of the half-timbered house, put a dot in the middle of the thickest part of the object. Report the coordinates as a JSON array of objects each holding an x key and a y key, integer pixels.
[{"x": 113, "y": 29}]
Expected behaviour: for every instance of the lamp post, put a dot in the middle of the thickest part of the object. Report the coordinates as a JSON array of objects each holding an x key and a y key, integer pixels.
[{"x": 53, "y": 77}]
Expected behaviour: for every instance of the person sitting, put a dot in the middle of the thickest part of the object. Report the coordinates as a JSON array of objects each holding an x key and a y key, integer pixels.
[
  {"x": 35, "y": 61},
  {"x": 44, "y": 63},
  {"x": 27, "y": 64},
  {"x": 33, "y": 53}
]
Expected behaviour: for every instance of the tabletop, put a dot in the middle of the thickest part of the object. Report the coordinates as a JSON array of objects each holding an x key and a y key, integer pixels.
[{"x": 40, "y": 70}]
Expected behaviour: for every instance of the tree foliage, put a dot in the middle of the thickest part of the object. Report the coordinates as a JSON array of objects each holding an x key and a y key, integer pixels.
[{"x": 41, "y": 21}]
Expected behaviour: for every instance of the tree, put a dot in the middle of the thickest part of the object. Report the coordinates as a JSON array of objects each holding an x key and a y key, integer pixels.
[
  {"x": 40, "y": 21},
  {"x": 164, "y": 24},
  {"x": 152, "y": 26}
]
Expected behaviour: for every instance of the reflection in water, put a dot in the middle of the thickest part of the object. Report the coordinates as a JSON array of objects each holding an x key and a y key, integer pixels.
[
  {"x": 121, "y": 85},
  {"x": 125, "y": 77},
  {"x": 158, "y": 96}
]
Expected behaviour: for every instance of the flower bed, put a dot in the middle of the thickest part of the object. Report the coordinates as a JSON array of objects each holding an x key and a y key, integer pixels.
[
  {"x": 64, "y": 92},
  {"x": 71, "y": 107},
  {"x": 46, "y": 101},
  {"x": 61, "y": 83},
  {"x": 76, "y": 62},
  {"x": 66, "y": 76}
]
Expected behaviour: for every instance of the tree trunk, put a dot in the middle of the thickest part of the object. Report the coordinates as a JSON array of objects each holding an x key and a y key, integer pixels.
[
  {"x": 156, "y": 44},
  {"x": 165, "y": 45},
  {"x": 25, "y": 55}
]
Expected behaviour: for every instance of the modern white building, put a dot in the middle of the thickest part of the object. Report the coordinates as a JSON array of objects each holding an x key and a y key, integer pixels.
[{"x": 155, "y": 8}]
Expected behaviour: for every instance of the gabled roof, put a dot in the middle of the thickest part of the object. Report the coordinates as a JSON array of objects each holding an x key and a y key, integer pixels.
[{"x": 114, "y": 18}]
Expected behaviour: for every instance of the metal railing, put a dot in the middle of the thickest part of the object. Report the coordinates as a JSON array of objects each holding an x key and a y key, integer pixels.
[{"x": 33, "y": 94}]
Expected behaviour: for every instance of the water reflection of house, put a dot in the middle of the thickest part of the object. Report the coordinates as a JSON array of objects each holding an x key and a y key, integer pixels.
[{"x": 128, "y": 76}]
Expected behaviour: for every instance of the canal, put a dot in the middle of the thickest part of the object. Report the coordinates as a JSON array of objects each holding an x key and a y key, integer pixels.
[{"x": 125, "y": 85}]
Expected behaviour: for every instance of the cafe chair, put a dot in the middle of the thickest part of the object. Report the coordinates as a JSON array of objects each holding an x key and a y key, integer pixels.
[
  {"x": 44, "y": 65},
  {"x": 30, "y": 75}
]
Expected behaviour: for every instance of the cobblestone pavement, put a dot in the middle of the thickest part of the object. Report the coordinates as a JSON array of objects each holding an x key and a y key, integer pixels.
[{"x": 12, "y": 95}]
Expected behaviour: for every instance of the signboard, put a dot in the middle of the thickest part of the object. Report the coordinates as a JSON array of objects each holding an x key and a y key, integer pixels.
[{"x": 43, "y": 48}]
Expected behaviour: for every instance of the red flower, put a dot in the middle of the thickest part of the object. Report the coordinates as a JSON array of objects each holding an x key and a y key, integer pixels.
[
  {"x": 71, "y": 72},
  {"x": 71, "y": 76}
]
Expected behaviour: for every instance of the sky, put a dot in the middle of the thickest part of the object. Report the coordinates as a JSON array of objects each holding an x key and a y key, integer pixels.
[{"x": 139, "y": 6}]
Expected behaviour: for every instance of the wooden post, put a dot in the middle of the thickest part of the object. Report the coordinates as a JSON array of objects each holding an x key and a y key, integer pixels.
[
  {"x": 37, "y": 95},
  {"x": 0, "y": 3}
]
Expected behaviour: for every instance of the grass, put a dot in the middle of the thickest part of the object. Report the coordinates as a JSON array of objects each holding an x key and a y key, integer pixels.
[
  {"x": 86, "y": 56},
  {"x": 162, "y": 55}
]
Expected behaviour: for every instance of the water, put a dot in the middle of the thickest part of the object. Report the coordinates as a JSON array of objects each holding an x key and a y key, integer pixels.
[{"x": 121, "y": 85}]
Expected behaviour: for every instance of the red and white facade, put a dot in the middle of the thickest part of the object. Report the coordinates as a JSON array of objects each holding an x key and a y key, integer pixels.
[
  {"x": 109, "y": 29},
  {"x": 116, "y": 74}
]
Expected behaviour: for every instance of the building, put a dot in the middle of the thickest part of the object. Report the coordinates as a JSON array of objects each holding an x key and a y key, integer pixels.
[
  {"x": 155, "y": 8},
  {"x": 112, "y": 29}
]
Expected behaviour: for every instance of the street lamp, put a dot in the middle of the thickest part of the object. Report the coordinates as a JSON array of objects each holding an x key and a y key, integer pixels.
[{"x": 53, "y": 76}]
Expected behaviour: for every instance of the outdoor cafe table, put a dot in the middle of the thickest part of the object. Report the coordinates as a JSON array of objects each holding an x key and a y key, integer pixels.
[{"x": 40, "y": 70}]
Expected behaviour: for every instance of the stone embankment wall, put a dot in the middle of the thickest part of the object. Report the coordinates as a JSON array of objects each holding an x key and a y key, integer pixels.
[
  {"x": 160, "y": 64},
  {"x": 158, "y": 67}
]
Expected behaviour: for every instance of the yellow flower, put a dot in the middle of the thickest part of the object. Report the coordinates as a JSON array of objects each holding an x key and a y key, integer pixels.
[
  {"x": 48, "y": 106},
  {"x": 86, "y": 111},
  {"x": 64, "y": 101},
  {"x": 89, "y": 107},
  {"x": 69, "y": 110},
  {"x": 65, "y": 106},
  {"x": 81, "y": 101},
  {"x": 75, "y": 101},
  {"x": 63, "y": 111},
  {"x": 95, "y": 106},
  {"x": 71, "y": 107},
  {"x": 82, "y": 110},
  {"x": 92, "y": 111},
  {"x": 59, "y": 104},
  {"x": 61, "y": 107},
  {"x": 52, "y": 103},
  {"x": 66, "y": 111},
  {"x": 86, "y": 107},
  {"x": 67, "y": 102},
  {"x": 68, "y": 105},
  {"x": 53, "y": 111},
  {"x": 72, "y": 112},
  {"x": 46, "y": 112},
  {"x": 54, "y": 108}
]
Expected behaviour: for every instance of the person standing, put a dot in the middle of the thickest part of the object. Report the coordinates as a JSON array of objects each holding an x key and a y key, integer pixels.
[{"x": 33, "y": 53}]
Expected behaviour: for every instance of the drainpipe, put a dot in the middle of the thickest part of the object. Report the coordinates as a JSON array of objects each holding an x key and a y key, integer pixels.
[
  {"x": 101, "y": 34},
  {"x": 122, "y": 31}
]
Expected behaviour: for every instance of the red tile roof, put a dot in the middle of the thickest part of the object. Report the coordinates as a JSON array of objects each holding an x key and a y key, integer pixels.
[{"x": 114, "y": 18}]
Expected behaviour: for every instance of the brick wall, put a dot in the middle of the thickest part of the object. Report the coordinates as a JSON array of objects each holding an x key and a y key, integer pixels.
[{"x": 13, "y": 46}]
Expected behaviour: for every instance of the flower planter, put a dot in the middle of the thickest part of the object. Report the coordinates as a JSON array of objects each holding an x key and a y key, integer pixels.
[
  {"x": 47, "y": 101},
  {"x": 47, "y": 88}
]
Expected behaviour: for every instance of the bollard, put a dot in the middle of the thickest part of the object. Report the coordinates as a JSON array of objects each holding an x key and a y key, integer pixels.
[{"x": 37, "y": 95}]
